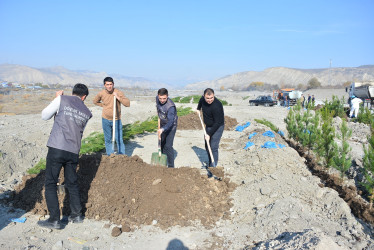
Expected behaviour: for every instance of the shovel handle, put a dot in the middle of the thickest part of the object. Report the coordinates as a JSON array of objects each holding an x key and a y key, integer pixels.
[
  {"x": 207, "y": 142},
  {"x": 114, "y": 119}
]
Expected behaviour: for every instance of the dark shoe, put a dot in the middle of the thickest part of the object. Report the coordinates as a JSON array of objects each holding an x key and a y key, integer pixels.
[
  {"x": 76, "y": 219},
  {"x": 50, "y": 224}
]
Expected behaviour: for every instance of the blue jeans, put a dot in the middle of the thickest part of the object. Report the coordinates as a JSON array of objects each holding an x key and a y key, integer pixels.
[{"x": 108, "y": 130}]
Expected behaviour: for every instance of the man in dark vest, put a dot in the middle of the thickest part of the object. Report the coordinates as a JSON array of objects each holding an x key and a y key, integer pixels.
[
  {"x": 214, "y": 119},
  {"x": 70, "y": 118},
  {"x": 167, "y": 120}
]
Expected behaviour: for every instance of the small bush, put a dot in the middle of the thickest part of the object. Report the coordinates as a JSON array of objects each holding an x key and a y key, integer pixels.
[
  {"x": 336, "y": 107},
  {"x": 176, "y": 99},
  {"x": 269, "y": 124},
  {"x": 38, "y": 167},
  {"x": 366, "y": 116},
  {"x": 186, "y": 99}
]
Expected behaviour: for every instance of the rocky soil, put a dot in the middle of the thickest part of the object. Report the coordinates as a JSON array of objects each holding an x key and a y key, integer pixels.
[{"x": 277, "y": 202}]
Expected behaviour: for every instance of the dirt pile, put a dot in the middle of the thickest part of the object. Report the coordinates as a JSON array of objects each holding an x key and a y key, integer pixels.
[
  {"x": 192, "y": 122},
  {"x": 127, "y": 191}
]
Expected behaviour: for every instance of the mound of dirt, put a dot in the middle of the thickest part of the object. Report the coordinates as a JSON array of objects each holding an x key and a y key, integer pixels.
[
  {"x": 192, "y": 122},
  {"x": 125, "y": 190}
]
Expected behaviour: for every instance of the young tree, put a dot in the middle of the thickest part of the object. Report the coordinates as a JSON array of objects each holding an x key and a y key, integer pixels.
[
  {"x": 326, "y": 147},
  {"x": 368, "y": 164},
  {"x": 342, "y": 160}
]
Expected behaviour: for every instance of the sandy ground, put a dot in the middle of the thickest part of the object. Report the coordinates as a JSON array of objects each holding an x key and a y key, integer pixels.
[{"x": 276, "y": 193}]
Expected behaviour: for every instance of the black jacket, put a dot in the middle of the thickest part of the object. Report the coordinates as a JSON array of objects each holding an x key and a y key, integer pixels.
[{"x": 213, "y": 114}]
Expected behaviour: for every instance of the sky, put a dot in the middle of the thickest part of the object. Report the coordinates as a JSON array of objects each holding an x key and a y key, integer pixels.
[{"x": 179, "y": 42}]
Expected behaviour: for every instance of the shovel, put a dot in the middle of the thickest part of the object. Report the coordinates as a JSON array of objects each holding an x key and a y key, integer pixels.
[
  {"x": 209, "y": 173},
  {"x": 157, "y": 157},
  {"x": 114, "y": 126},
  {"x": 207, "y": 142}
]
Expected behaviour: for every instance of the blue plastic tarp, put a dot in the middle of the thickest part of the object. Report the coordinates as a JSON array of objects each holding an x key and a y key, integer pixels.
[
  {"x": 269, "y": 144},
  {"x": 248, "y": 144},
  {"x": 251, "y": 135},
  {"x": 269, "y": 134},
  {"x": 280, "y": 133},
  {"x": 20, "y": 220},
  {"x": 281, "y": 146},
  {"x": 240, "y": 128}
]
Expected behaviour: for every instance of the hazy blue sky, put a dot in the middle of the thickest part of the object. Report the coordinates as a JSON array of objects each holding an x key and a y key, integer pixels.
[{"x": 185, "y": 41}]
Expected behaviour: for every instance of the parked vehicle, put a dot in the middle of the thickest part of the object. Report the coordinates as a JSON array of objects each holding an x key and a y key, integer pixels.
[
  {"x": 292, "y": 94},
  {"x": 362, "y": 90},
  {"x": 263, "y": 100}
]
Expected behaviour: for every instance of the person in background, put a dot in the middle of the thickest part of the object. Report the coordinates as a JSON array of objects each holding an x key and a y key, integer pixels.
[
  {"x": 302, "y": 100},
  {"x": 214, "y": 119},
  {"x": 167, "y": 120},
  {"x": 355, "y": 106},
  {"x": 104, "y": 99},
  {"x": 64, "y": 143}
]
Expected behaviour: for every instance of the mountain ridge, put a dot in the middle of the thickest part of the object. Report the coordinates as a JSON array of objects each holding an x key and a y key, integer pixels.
[{"x": 283, "y": 76}]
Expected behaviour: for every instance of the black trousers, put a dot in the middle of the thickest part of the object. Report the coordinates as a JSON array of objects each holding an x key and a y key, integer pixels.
[
  {"x": 56, "y": 159},
  {"x": 214, "y": 144},
  {"x": 167, "y": 140}
]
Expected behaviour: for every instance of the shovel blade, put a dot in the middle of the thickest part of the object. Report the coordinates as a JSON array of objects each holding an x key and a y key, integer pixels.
[{"x": 159, "y": 160}]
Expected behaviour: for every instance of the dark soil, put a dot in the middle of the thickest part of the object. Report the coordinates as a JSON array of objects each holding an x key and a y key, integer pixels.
[
  {"x": 359, "y": 207},
  {"x": 127, "y": 191},
  {"x": 192, "y": 122}
]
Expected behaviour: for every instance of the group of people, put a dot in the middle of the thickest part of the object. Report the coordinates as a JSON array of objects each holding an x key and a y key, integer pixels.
[
  {"x": 70, "y": 119},
  {"x": 311, "y": 99}
]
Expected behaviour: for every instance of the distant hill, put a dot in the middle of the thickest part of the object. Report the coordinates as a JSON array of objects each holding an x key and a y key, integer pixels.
[
  {"x": 26, "y": 75},
  {"x": 290, "y": 77}
]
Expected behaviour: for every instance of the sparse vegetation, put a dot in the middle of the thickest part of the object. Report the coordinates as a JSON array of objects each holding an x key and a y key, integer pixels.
[
  {"x": 38, "y": 167},
  {"x": 336, "y": 106},
  {"x": 366, "y": 116},
  {"x": 368, "y": 164},
  {"x": 342, "y": 160},
  {"x": 269, "y": 124}
]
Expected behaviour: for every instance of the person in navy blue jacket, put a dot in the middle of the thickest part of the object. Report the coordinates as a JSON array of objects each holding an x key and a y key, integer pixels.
[{"x": 168, "y": 120}]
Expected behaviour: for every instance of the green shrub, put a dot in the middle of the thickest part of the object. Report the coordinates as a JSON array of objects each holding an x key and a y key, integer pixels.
[
  {"x": 336, "y": 107},
  {"x": 326, "y": 146},
  {"x": 186, "y": 99},
  {"x": 366, "y": 116},
  {"x": 342, "y": 160},
  {"x": 181, "y": 111},
  {"x": 93, "y": 143},
  {"x": 176, "y": 99},
  {"x": 38, "y": 167},
  {"x": 368, "y": 164},
  {"x": 269, "y": 124},
  {"x": 196, "y": 98}
]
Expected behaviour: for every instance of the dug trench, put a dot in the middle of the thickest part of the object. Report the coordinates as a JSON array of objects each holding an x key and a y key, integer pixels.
[
  {"x": 127, "y": 191},
  {"x": 350, "y": 194}
]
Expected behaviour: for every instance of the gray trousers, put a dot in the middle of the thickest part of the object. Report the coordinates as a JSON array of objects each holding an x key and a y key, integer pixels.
[{"x": 214, "y": 144}]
